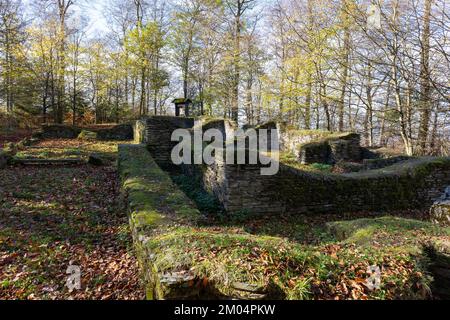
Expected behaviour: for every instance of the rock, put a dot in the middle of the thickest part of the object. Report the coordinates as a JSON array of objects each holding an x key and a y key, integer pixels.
[
  {"x": 87, "y": 135},
  {"x": 252, "y": 288},
  {"x": 440, "y": 213},
  {"x": 96, "y": 160},
  {"x": 11, "y": 149}
]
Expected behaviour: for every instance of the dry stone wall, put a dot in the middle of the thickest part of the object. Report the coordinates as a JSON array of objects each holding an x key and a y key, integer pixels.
[
  {"x": 119, "y": 132},
  {"x": 156, "y": 133},
  {"x": 154, "y": 204},
  {"x": 332, "y": 150},
  {"x": 242, "y": 188},
  {"x": 313, "y": 146}
]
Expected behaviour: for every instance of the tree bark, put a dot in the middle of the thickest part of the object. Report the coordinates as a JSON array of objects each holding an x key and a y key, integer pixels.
[
  {"x": 345, "y": 68},
  {"x": 426, "y": 87}
]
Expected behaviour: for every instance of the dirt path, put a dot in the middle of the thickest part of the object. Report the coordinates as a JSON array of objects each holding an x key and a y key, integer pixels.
[{"x": 54, "y": 217}]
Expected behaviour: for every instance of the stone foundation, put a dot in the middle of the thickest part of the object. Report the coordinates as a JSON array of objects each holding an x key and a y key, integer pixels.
[
  {"x": 121, "y": 132},
  {"x": 313, "y": 146},
  {"x": 59, "y": 132},
  {"x": 154, "y": 204},
  {"x": 156, "y": 133},
  {"x": 242, "y": 188},
  {"x": 332, "y": 150},
  {"x": 159, "y": 211}
]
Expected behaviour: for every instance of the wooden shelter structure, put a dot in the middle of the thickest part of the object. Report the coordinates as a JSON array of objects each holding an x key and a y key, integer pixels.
[{"x": 182, "y": 107}]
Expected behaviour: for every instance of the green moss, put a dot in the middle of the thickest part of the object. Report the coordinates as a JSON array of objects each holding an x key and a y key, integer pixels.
[
  {"x": 322, "y": 167},
  {"x": 219, "y": 255},
  {"x": 291, "y": 160},
  {"x": 145, "y": 219},
  {"x": 151, "y": 189},
  {"x": 366, "y": 231},
  {"x": 87, "y": 135}
]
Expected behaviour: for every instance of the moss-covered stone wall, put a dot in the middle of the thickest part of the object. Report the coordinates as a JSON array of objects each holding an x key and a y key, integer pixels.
[
  {"x": 155, "y": 206},
  {"x": 156, "y": 132},
  {"x": 242, "y": 188},
  {"x": 120, "y": 132},
  {"x": 168, "y": 234},
  {"x": 407, "y": 185},
  {"x": 412, "y": 184}
]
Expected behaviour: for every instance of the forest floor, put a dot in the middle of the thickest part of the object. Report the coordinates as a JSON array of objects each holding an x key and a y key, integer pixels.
[
  {"x": 13, "y": 135},
  {"x": 56, "y": 216}
]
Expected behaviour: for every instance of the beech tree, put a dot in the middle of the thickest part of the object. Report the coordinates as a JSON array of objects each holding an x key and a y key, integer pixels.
[{"x": 379, "y": 68}]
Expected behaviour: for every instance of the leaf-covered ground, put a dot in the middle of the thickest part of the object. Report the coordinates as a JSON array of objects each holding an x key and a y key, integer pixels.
[
  {"x": 52, "y": 217},
  {"x": 12, "y": 136}
]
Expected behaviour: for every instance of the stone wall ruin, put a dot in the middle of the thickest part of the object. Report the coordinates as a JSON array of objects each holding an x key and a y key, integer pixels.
[{"x": 242, "y": 188}]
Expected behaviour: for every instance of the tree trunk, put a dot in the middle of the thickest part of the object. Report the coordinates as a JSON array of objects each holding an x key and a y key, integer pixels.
[
  {"x": 237, "y": 60},
  {"x": 345, "y": 68},
  {"x": 425, "y": 100}
]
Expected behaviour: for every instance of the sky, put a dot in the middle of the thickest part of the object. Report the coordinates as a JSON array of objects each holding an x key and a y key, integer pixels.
[
  {"x": 89, "y": 8},
  {"x": 94, "y": 10}
]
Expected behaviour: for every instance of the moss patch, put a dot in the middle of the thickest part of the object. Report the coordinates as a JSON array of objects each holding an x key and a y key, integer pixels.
[
  {"x": 386, "y": 231},
  {"x": 87, "y": 135}
]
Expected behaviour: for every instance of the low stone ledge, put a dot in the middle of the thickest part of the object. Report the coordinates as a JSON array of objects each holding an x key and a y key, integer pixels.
[
  {"x": 167, "y": 234},
  {"x": 119, "y": 132},
  {"x": 154, "y": 205},
  {"x": 411, "y": 184}
]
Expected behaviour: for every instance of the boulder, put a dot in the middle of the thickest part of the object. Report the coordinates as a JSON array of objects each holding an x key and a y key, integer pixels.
[{"x": 440, "y": 213}]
